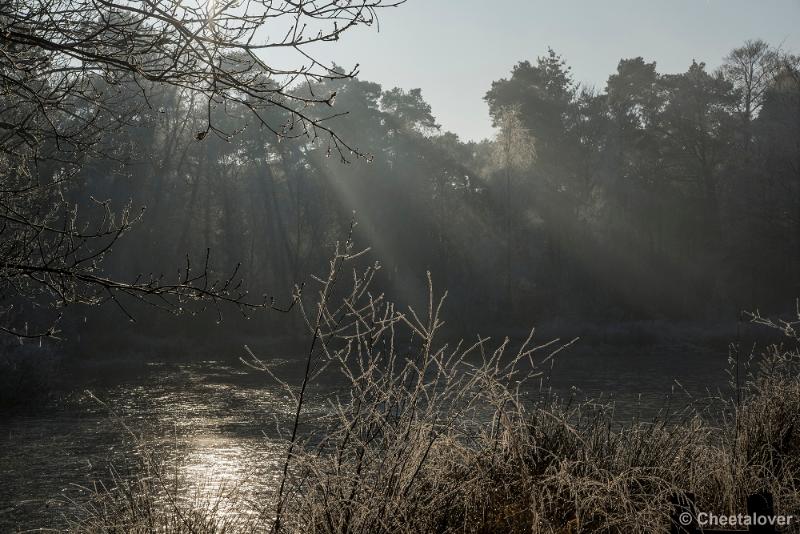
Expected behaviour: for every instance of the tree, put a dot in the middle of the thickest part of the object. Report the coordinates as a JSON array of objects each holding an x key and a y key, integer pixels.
[
  {"x": 697, "y": 138},
  {"x": 751, "y": 68},
  {"x": 549, "y": 108},
  {"x": 514, "y": 152},
  {"x": 409, "y": 109},
  {"x": 543, "y": 93},
  {"x": 634, "y": 100},
  {"x": 73, "y": 73}
]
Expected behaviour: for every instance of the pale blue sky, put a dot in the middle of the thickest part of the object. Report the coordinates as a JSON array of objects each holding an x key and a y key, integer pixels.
[{"x": 454, "y": 49}]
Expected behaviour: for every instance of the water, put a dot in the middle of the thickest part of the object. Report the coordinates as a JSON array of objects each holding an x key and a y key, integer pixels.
[{"x": 215, "y": 420}]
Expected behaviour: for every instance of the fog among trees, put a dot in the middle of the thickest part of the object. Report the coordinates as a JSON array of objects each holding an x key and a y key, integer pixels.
[{"x": 659, "y": 196}]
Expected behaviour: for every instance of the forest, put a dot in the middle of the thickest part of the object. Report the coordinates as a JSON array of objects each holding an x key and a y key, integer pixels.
[{"x": 659, "y": 196}]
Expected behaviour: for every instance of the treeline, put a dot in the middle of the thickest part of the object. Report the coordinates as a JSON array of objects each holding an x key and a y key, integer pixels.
[{"x": 662, "y": 196}]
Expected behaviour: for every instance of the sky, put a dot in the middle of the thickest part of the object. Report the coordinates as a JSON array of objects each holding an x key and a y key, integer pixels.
[{"x": 454, "y": 49}]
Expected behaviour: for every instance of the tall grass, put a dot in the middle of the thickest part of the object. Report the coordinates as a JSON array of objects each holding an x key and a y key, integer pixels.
[{"x": 433, "y": 437}]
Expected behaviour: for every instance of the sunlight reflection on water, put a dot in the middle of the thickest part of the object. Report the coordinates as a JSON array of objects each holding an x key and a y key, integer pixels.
[
  {"x": 212, "y": 423},
  {"x": 223, "y": 473}
]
